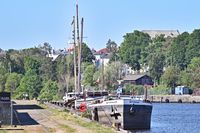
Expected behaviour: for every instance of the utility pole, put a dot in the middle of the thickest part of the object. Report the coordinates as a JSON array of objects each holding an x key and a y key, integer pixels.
[
  {"x": 11, "y": 105},
  {"x": 74, "y": 39}
]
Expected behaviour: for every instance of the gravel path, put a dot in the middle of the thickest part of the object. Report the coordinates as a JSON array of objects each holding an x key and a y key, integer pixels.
[{"x": 35, "y": 119}]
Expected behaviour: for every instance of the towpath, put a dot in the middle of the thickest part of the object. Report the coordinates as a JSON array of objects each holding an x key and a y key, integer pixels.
[{"x": 32, "y": 118}]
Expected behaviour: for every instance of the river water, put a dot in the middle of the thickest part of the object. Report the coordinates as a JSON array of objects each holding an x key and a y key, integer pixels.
[{"x": 174, "y": 118}]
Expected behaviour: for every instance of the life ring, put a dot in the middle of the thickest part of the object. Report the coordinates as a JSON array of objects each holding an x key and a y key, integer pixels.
[{"x": 83, "y": 107}]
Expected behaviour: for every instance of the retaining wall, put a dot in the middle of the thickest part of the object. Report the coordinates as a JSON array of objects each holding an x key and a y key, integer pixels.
[{"x": 174, "y": 98}]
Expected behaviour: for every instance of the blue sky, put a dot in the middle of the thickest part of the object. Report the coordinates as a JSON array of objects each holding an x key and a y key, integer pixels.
[{"x": 28, "y": 23}]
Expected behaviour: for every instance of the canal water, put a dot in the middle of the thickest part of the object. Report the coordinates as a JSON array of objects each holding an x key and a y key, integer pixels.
[{"x": 174, "y": 118}]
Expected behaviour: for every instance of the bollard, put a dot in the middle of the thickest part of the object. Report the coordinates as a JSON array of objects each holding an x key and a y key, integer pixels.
[
  {"x": 167, "y": 100},
  {"x": 161, "y": 99}
]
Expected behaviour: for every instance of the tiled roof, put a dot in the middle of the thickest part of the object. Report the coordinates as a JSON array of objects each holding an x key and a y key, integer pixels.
[
  {"x": 102, "y": 51},
  {"x": 134, "y": 77},
  {"x": 154, "y": 33}
]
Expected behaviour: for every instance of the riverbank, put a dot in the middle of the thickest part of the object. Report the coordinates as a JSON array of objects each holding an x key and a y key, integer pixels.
[
  {"x": 37, "y": 118},
  {"x": 174, "y": 98}
]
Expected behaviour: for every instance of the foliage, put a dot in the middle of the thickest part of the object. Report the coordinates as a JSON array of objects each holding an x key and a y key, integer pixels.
[
  {"x": 178, "y": 50},
  {"x": 129, "y": 89},
  {"x": 87, "y": 55},
  {"x": 159, "y": 90},
  {"x": 29, "y": 84},
  {"x": 31, "y": 64},
  {"x": 196, "y": 79},
  {"x": 88, "y": 79},
  {"x": 111, "y": 46},
  {"x": 12, "y": 81},
  {"x": 112, "y": 73},
  {"x": 156, "y": 65},
  {"x": 171, "y": 76},
  {"x": 3, "y": 77},
  {"x": 49, "y": 91},
  {"x": 194, "y": 64},
  {"x": 132, "y": 48},
  {"x": 29, "y": 70},
  {"x": 193, "y": 46},
  {"x": 115, "y": 57},
  {"x": 134, "y": 89},
  {"x": 186, "y": 78}
]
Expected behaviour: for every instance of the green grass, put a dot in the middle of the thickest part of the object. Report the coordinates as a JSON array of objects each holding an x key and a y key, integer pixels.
[
  {"x": 3, "y": 131},
  {"x": 67, "y": 128},
  {"x": 93, "y": 126}
]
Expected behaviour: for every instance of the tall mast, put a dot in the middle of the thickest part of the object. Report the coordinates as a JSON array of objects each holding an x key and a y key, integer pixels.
[
  {"x": 102, "y": 75},
  {"x": 74, "y": 39},
  {"x": 78, "y": 43},
  {"x": 79, "y": 57}
]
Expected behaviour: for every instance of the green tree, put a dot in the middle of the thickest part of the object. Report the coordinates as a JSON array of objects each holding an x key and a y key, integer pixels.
[
  {"x": 196, "y": 79},
  {"x": 87, "y": 55},
  {"x": 46, "y": 47},
  {"x": 30, "y": 84},
  {"x": 156, "y": 65},
  {"x": 171, "y": 76},
  {"x": 49, "y": 91},
  {"x": 13, "y": 81},
  {"x": 30, "y": 63},
  {"x": 132, "y": 48},
  {"x": 111, "y": 46},
  {"x": 88, "y": 79},
  {"x": 186, "y": 78},
  {"x": 193, "y": 46},
  {"x": 194, "y": 64},
  {"x": 178, "y": 50},
  {"x": 3, "y": 77},
  {"x": 112, "y": 73}
]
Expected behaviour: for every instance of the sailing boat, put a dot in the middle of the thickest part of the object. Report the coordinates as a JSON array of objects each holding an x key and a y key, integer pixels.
[
  {"x": 79, "y": 97},
  {"x": 128, "y": 113}
]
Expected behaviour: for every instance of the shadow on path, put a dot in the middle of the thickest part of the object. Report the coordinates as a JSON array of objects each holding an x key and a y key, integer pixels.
[
  {"x": 23, "y": 118},
  {"x": 27, "y": 107}
]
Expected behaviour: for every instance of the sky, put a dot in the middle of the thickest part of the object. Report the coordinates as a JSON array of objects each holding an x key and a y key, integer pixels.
[{"x": 28, "y": 23}]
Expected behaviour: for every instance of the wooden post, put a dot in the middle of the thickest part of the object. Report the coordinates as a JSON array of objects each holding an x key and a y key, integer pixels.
[{"x": 74, "y": 39}]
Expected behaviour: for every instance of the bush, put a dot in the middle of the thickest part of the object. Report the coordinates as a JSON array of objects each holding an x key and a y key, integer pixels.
[
  {"x": 134, "y": 89},
  {"x": 159, "y": 90}
]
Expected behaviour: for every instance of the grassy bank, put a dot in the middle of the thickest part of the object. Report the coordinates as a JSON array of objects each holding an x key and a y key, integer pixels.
[{"x": 94, "y": 127}]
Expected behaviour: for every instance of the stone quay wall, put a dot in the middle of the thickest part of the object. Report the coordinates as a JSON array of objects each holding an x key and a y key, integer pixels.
[{"x": 174, "y": 98}]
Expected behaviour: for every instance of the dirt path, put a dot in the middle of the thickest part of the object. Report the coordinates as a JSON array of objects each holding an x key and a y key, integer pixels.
[{"x": 34, "y": 119}]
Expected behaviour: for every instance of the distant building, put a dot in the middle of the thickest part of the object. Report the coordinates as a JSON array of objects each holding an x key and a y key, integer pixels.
[
  {"x": 181, "y": 90},
  {"x": 2, "y": 53},
  {"x": 56, "y": 53},
  {"x": 167, "y": 33},
  {"x": 138, "y": 79},
  {"x": 102, "y": 56}
]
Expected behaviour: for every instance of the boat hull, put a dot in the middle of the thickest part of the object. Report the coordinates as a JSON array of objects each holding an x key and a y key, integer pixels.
[{"x": 129, "y": 115}]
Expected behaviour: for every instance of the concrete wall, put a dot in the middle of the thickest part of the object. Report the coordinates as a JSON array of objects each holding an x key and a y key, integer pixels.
[
  {"x": 174, "y": 98},
  {"x": 5, "y": 115}
]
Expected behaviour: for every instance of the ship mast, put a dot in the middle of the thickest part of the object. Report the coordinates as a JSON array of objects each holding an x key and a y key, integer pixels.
[
  {"x": 74, "y": 42},
  {"x": 78, "y": 41}
]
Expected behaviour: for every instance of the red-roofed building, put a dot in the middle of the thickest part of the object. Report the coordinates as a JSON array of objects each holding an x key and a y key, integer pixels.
[{"x": 102, "y": 51}]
